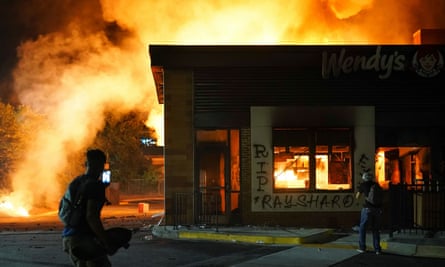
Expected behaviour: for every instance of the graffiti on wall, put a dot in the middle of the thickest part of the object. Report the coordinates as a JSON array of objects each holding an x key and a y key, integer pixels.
[
  {"x": 266, "y": 200},
  {"x": 363, "y": 164},
  {"x": 261, "y": 174},
  {"x": 306, "y": 200}
]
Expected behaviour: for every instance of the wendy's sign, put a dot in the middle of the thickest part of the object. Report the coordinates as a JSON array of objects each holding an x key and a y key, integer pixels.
[{"x": 426, "y": 62}]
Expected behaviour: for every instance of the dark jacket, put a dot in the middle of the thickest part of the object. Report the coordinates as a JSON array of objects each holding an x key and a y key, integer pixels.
[{"x": 364, "y": 189}]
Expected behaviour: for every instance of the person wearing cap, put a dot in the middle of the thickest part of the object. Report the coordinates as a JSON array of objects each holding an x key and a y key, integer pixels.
[{"x": 370, "y": 215}]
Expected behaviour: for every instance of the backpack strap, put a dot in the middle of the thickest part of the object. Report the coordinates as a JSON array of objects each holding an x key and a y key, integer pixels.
[{"x": 80, "y": 190}]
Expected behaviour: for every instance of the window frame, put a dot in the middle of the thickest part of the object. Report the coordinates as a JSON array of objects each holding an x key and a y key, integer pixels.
[{"x": 331, "y": 138}]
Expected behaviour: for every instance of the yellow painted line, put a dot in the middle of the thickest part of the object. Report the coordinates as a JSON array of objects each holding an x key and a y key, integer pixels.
[
  {"x": 257, "y": 239},
  {"x": 265, "y": 239}
]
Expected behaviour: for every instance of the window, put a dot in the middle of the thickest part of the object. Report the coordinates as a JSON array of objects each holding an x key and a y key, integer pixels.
[
  {"x": 291, "y": 167},
  {"x": 404, "y": 165},
  {"x": 306, "y": 159}
]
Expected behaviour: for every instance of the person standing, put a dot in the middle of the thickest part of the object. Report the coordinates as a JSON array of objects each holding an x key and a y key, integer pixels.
[
  {"x": 370, "y": 215},
  {"x": 88, "y": 244}
]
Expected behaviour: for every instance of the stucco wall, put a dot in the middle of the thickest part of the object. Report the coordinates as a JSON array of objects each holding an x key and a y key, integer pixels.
[{"x": 264, "y": 119}]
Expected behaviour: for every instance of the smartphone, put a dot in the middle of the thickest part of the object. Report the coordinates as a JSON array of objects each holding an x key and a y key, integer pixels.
[{"x": 106, "y": 176}]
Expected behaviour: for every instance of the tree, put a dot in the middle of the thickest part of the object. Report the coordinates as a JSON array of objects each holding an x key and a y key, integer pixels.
[
  {"x": 17, "y": 124},
  {"x": 9, "y": 140},
  {"x": 121, "y": 140}
]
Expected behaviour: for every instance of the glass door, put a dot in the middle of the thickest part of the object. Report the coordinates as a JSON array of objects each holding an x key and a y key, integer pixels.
[{"x": 218, "y": 176}]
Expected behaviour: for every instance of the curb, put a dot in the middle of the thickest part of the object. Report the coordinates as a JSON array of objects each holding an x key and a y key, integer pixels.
[
  {"x": 243, "y": 238},
  {"x": 430, "y": 251},
  {"x": 274, "y": 238},
  {"x": 399, "y": 248},
  {"x": 305, "y": 237}
]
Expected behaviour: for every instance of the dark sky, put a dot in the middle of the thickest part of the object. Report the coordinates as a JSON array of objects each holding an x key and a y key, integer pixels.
[{"x": 21, "y": 20}]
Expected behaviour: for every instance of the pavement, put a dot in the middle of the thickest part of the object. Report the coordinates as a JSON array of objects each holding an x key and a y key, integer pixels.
[
  {"x": 408, "y": 243},
  {"x": 325, "y": 246},
  {"x": 414, "y": 242}
]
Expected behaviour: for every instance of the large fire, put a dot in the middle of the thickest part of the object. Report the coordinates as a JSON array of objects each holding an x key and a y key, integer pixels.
[{"x": 75, "y": 71}]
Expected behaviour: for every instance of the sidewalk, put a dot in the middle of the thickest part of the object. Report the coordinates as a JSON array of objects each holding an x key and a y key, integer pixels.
[
  {"x": 407, "y": 243},
  {"x": 413, "y": 243}
]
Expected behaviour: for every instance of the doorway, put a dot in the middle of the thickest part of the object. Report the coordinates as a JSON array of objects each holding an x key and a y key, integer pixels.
[{"x": 217, "y": 178}]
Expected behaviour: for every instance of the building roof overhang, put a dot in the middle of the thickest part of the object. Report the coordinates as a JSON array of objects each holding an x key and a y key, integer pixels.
[{"x": 301, "y": 57}]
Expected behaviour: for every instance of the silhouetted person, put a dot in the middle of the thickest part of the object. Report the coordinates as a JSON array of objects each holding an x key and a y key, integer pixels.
[{"x": 89, "y": 244}]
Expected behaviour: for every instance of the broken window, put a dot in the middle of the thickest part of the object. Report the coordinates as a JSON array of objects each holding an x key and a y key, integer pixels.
[
  {"x": 404, "y": 165},
  {"x": 306, "y": 159}
]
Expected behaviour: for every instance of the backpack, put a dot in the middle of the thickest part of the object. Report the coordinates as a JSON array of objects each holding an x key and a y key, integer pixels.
[
  {"x": 71, "y": 205},
  {"x": 375, "y": 195}
]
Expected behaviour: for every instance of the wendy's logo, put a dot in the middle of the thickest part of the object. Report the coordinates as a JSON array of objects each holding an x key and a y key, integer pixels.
[{"x": 427, "y": 62}]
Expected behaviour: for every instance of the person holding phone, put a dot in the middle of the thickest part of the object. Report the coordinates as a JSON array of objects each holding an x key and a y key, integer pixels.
[
  {"x": 106, "y": 177},
  {"x": 89, "y": 244}
]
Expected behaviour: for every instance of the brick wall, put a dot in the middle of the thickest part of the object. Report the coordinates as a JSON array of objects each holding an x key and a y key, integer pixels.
[{"x": 178, "y": 114}]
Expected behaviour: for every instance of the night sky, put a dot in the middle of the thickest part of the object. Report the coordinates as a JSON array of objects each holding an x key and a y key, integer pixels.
[{"x": 22, "y": 20}]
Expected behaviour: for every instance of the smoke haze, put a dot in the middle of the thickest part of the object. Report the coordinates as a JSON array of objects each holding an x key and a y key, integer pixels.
[{"x": 74, "y": 60}]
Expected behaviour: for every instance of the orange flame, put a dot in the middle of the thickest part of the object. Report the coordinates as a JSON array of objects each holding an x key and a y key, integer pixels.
[
  {"x": 75, "y": 74},
  {"x": 8, "y": 207}
]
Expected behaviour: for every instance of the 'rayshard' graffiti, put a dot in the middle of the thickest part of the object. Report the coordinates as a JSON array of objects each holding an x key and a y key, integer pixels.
[
  {"x": 312, "y": 201},
  {"x": 264, "y": 199}
]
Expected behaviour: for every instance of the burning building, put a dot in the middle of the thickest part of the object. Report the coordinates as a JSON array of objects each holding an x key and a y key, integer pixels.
[
  {"x": 76, "y": 66},
  {"x": 280, "y": 134}
]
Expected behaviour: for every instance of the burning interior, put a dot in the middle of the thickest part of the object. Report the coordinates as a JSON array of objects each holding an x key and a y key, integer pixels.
[
  {"x": 395, "y": 165},
  {"x": 302, "y": 156}
]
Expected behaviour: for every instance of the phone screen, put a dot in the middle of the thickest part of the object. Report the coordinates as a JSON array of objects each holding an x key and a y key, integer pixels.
[{"x": 106, "y": 176}]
